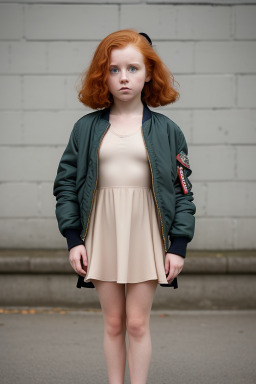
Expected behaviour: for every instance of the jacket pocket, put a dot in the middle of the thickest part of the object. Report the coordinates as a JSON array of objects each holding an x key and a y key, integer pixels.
[{"x": 184, "y": 171}]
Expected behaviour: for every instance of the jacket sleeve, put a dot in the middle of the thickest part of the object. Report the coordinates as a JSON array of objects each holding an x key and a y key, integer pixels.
[
  {"x": 183, "y": 225},
  {"x": 64, "y": 189}
]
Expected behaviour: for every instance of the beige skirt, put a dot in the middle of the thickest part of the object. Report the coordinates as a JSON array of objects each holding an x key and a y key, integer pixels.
[{"x": 124, "y": 241}]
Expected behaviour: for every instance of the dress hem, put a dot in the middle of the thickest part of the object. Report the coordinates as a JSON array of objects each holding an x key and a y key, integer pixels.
[{"x": 125, "y": 282}]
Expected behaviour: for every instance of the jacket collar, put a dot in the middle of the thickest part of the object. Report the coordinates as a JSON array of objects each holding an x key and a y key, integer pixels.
[{"x": 146, "y": 113}]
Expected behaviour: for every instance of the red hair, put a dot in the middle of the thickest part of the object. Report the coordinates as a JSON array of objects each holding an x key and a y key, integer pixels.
[{"x": 158, "y": 91}]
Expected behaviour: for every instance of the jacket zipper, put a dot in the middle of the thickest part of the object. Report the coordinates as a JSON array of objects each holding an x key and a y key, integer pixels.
[
  {"x": 163, "y": 238},
  {"x": 88, "y": 221}
]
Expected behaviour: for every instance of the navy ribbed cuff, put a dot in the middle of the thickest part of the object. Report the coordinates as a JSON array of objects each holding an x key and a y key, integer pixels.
[
  {"x": 73, "y": 238},
  {"x": 179, "y": 246}
]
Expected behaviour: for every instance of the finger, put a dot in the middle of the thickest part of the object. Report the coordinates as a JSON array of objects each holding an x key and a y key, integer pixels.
[
  {"x": 166, "y": 265},
  {"x": 178, "y": 270},
  {"x": 84, "y": 257},
  {"x": 175, "y": 272},
  {"x": 81, "y": 271},
  {"x": 83, "y": 267},
  {"x": 79, "y": 267},
  {"x": 171, "y": 274}
]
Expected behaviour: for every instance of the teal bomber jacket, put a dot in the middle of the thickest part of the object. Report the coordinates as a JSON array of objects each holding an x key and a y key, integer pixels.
[{"x": 77, "y": 176}]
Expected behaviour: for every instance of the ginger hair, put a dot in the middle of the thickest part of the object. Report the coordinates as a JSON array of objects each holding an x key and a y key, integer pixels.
[{"x": 159, "y": 91}]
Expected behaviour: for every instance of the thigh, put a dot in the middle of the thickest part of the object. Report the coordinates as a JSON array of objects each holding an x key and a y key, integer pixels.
[
  {"x": 139, "y": 299},
  {"x": 112, "y": 297}
]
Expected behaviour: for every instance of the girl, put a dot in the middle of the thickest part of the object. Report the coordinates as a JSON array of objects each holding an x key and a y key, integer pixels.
[{"x": 122, "y": 189}]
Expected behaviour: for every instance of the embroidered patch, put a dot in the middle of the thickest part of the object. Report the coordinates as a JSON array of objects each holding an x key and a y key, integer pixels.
[
  {"x": 183, "y": 159},
  {"x": 182, "y": 180}
]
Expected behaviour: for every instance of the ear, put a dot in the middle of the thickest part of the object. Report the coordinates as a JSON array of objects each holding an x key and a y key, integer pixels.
[{"x": 148, "y": 78}]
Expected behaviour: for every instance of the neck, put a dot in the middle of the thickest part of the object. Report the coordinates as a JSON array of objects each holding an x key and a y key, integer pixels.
[{"x": 125, "y": 108}]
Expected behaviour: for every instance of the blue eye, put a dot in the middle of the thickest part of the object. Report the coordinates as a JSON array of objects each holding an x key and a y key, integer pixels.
[{"x": 131, "y": 69}]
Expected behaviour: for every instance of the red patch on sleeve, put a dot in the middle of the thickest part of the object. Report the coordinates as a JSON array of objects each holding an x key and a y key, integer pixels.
[{"x": 182, "y": 180}]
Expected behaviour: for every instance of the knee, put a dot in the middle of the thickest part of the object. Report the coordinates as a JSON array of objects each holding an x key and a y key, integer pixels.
[
  {"x": 137, "y": 326},
  {"x": 114, "y": 325}
]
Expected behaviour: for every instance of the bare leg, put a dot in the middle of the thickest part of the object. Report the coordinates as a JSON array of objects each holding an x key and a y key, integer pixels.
[
  {"x": 112, "y": 300},
  {"x": 139, "y": 298}
]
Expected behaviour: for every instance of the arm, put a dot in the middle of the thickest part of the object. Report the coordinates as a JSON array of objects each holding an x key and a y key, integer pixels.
[
  {"x": 183, "y": 226},
  {"x": 64, "y": 189}
]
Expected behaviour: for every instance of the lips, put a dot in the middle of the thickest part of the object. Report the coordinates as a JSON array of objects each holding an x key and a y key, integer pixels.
[{"x": 124, "y": 88}]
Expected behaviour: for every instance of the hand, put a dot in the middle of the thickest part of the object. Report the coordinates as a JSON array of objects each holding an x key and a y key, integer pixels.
[
  {"x": 173, "y": 265},
  {"x": 78, "y": 259}
]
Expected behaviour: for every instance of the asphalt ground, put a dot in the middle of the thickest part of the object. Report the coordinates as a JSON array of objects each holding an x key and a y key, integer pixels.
[{"x": 64, "y": 346}]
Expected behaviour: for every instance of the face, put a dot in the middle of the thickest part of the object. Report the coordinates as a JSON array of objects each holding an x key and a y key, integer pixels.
[{"x": 126, "y": 73}]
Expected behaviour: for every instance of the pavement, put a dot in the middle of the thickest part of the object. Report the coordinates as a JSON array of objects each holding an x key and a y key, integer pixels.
[{"x": 60, "y": 345}]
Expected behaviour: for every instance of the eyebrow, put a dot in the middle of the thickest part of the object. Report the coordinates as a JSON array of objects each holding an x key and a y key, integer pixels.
[{"x": 128, "y": 64}]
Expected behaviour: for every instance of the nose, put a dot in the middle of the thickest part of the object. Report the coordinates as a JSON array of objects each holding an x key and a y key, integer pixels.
[{"x": 123, "y": 76}]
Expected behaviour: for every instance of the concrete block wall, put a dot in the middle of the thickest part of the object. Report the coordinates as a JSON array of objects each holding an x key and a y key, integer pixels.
[{"x": 210, "y": 46}]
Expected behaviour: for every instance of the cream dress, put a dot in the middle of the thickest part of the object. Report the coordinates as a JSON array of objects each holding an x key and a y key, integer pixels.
[{"x": 124, "y": 242}]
